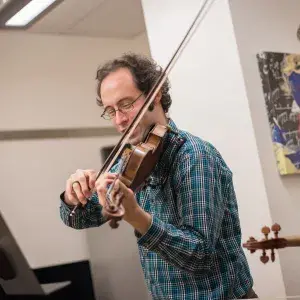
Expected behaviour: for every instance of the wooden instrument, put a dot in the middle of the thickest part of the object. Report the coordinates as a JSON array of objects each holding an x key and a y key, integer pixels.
[
  {"x": 135, "y": 166},
  {"x": 271, "y": 243}
]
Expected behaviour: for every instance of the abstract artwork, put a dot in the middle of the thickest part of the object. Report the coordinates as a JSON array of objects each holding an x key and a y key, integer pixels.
[{"x": 280, "y": 77}]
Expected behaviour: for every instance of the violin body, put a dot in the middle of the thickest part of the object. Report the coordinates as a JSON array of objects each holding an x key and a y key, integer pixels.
[{"x": 140, "y": 160}]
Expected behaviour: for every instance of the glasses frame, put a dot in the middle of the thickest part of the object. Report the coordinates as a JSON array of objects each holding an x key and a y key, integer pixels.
[{"x": 103, "y": 115}]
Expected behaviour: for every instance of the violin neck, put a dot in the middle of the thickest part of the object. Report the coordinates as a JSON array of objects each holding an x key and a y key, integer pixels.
[{"x": 293, "y": 241}]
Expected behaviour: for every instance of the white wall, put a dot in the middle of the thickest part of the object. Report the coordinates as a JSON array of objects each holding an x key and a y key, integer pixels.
[
  {"x": 271, "y": 25},
  {"x": 48, "y": 82},
  {"x": 209, "y": 100},
  {"x": 33, "y": 174}
]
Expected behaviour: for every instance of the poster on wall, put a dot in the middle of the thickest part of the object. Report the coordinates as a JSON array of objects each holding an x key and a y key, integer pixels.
[{"x": 280, "y": 78}]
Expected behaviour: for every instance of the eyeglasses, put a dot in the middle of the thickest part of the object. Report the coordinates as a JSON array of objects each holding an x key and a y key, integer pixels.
[{"x": 109, "y": 113}]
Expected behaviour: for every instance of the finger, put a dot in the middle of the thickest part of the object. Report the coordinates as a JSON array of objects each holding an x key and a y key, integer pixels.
[
  {"x": 78, "y": 192},
  {"x": 110, "y": 176},
  {"x": 101, "y": 188},
  {"x": 102, "y": 178},
  {"x": 83, "y": 188},
  {"x": 71, "y": 197},
  {"x": 91, "y": 178},
  {"x": 115, "y": 190},
  {"x": 103, "y": 185},
  {"x": 123, "y": 188},
  {"x": 78, "y": 180},
  {"x": 119, "y": 192},
  {"x": 119, "y": 198}
]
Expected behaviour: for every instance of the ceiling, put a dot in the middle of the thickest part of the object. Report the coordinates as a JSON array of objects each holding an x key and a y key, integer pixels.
[{"x": 97, "y": 18}]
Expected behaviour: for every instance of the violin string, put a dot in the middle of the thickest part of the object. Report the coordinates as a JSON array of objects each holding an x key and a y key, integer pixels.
[{"x": 118, "y": 171}]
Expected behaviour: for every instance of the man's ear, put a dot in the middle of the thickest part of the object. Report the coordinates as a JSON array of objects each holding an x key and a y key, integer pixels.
[
  {"x": 156, "y": 101},
  {"x": 158, "y": 97}
]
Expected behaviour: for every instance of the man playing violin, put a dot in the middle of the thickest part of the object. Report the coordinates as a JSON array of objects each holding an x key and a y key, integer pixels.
[{"x": 185, "y": 217}]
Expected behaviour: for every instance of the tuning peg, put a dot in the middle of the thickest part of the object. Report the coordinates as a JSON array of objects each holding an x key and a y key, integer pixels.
[
  {"x": 264, "y": 258},
  {"x": 272, "y": 255},
  {"x": 266, "y": 230},
  {"x": 276, "y": 228},
  {"x": 252, "y": 239}
]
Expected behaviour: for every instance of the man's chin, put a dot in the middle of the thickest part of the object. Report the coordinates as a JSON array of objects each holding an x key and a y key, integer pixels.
[
  {"x": 135, "y": 138},
  {"x": 134, "y": 141}
]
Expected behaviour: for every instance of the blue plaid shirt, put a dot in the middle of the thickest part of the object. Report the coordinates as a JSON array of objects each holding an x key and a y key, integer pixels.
[{"x": 192, "y": 249}]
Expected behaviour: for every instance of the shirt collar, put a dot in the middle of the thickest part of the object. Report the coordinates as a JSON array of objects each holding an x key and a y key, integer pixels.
[{"x": 172, "y": 142}]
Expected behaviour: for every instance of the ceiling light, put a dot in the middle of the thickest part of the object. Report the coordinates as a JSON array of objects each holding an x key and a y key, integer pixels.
[{"x": 29, "y": 12}]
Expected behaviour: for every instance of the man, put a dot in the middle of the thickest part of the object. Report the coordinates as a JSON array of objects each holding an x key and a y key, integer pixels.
[{"x": 186, "y": 217}]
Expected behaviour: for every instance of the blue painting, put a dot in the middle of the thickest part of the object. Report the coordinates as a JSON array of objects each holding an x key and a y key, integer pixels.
[{"x": 280, "y": 77}]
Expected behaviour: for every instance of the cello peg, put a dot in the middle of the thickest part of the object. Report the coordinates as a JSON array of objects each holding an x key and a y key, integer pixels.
[
  {"x": 276, "y": 228},
  {"x": 266, "y": 230},
  {"x": 264, "y": 258},
  {"x": 272, "y": 255}
]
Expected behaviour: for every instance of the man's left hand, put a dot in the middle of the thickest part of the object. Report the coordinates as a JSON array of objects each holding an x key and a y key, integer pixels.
[{"x": 134, "y": 214}]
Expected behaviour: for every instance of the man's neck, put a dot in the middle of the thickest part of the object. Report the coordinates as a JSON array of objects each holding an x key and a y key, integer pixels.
[{"x": 161, "y": 118}]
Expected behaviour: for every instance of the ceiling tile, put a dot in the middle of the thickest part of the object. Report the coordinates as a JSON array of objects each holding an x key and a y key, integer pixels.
[
  {"x": 66, "y": 15},
  {"x": 113, "y": 18}
]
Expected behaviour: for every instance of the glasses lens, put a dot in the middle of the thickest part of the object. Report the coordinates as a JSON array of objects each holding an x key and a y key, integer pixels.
[
  {"x": 106, "y": 116},
  {"x": 109, "y": 113},
  {"x": 126, "y": 108}
]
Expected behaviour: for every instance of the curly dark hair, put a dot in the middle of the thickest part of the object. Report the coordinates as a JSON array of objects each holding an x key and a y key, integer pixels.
[{"x": 145, "y": 72}]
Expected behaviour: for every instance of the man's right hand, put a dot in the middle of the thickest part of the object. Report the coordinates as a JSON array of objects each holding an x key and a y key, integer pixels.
[
  {"x": 81, "y": 184},
  {"x": 79, "y": 187}
]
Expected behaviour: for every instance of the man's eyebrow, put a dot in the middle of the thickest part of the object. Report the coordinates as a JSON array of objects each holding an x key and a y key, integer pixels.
[
  {"x": 125, "y": 98},
  {"x": 122, "y": 99}
]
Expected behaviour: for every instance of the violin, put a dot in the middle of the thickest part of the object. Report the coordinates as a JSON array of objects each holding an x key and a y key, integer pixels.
[
  {"x": 137, "y": 162},
  {"x": 135, "y": 166},
  {"x": 271, "y": 243}
]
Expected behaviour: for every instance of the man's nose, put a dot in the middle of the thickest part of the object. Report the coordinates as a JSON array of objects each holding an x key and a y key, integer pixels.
[{"x": 120, "y": 117}]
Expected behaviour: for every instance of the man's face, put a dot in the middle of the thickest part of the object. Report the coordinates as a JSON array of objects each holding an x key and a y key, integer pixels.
[{"x": 118, "y": 90}]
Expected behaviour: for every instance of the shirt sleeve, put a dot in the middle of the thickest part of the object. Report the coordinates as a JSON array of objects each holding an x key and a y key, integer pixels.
[
  {"x": 85, "y": 217},
  {"x": 191, "y": 245}
]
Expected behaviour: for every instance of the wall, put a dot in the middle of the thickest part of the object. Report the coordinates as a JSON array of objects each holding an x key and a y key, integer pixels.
[
  {"x": 209, "y": 100},
  {"x": 61, "y": 71},
  {"x": 34, "y": 174},
  {"x": 271, "y": 25},
  {"x": 48, "y": 82}
]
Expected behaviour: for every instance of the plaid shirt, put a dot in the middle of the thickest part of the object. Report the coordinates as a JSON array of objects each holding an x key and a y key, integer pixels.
[{"x": 192, "y": 249}]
